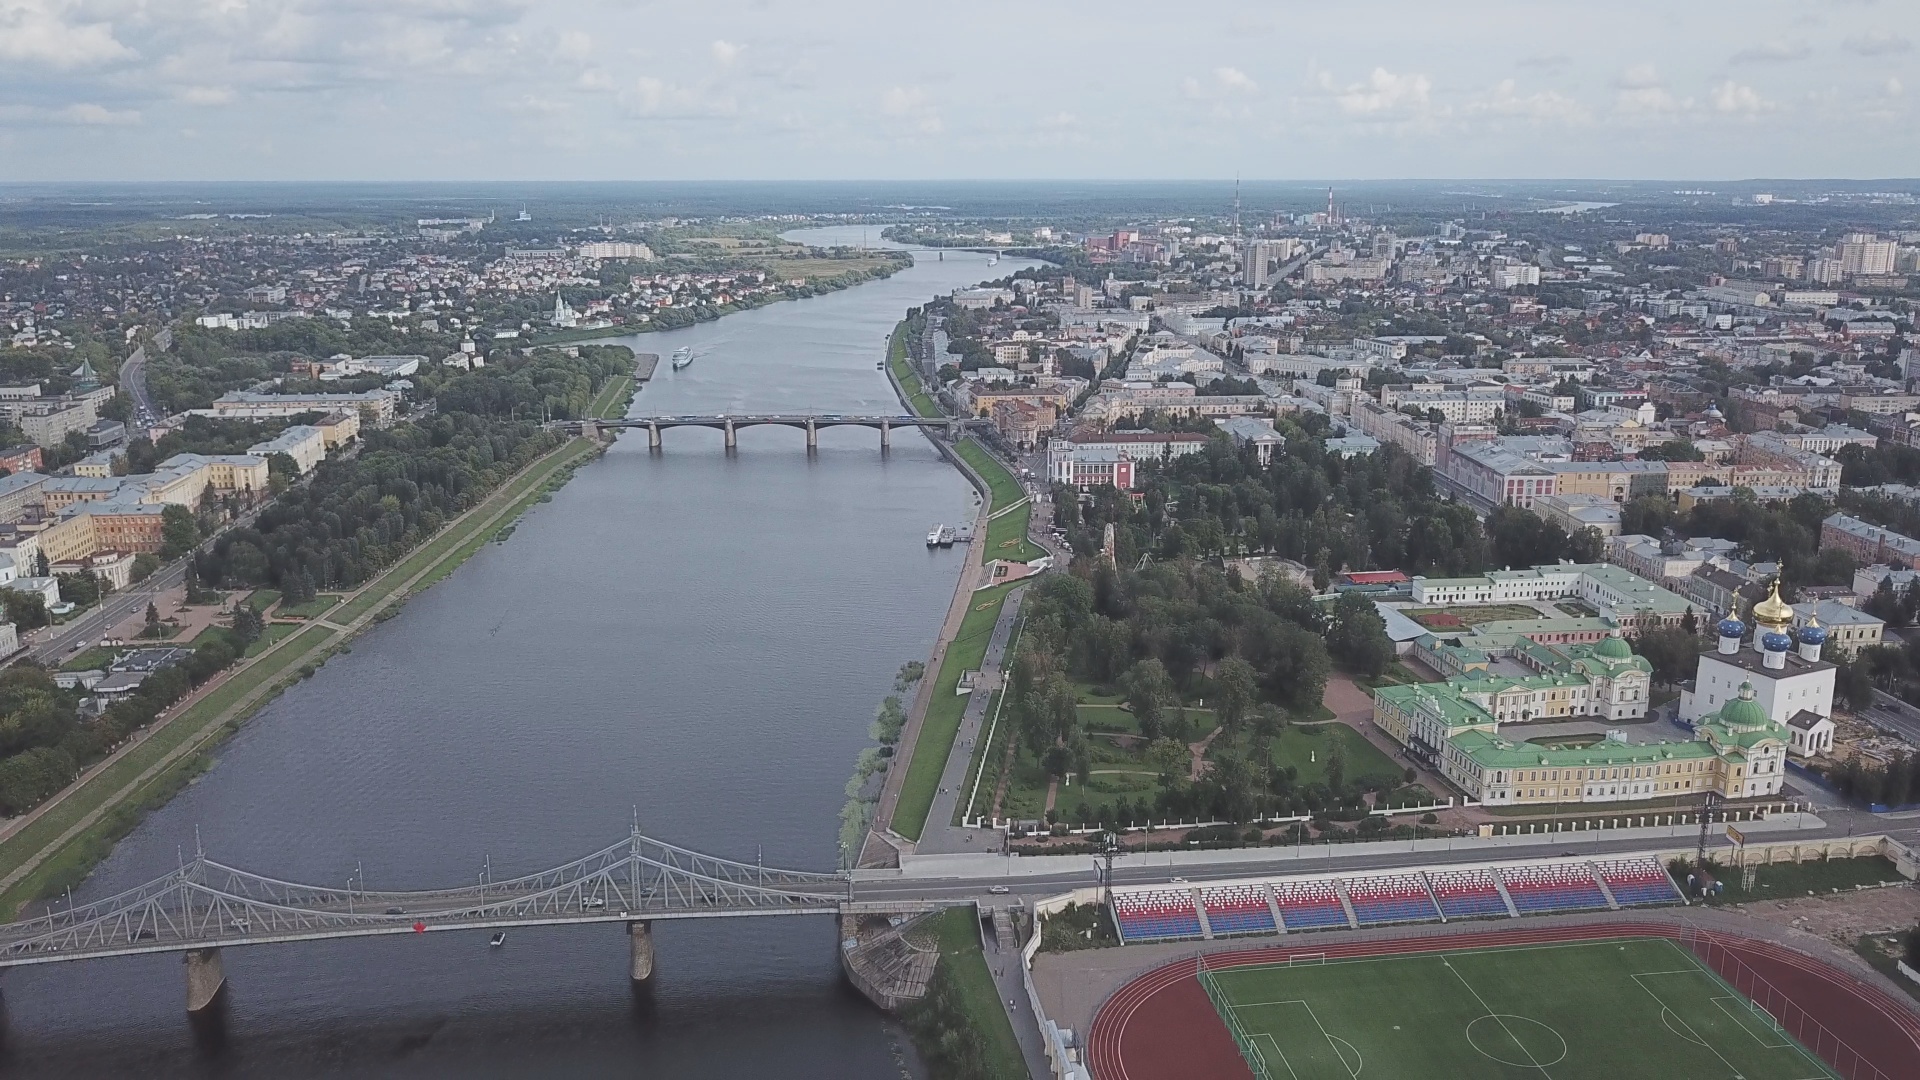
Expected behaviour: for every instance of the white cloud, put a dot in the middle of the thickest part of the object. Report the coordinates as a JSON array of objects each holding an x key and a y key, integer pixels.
[
  {"x": 1878, "y": 42},
  {"x": 726, "y": 52},
  {"x": 901, "y": 100},
  {"x": 910, "y": 104},
  {"x": 656, "y": 98},
  {"x": 1892, "y": 88},
  {"x": 574, "y": 45},
  {"x": 79, "y": 114},
  {"x": 207, "y": 95},
  {"x": 1222, "y": 82},
  {"x": 40, "y": 32},
  {"x": 1773, "y": 52},
  {"x": 1235, "y": 80},
  {"x": 1639, "y": 77},
  {"x": 1733, "y": 97},
  {"x": 1507, "y": 100},
  {"x": 1386, "y": 93}
]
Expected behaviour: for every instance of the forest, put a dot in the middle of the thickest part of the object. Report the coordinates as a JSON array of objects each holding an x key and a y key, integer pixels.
[
  {"x": 1255, "y": 656},
  {"x": 1330, "y": 513}
]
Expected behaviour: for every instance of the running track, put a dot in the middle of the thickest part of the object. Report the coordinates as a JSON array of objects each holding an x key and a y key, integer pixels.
[{"x": 1162, "y": 1027}]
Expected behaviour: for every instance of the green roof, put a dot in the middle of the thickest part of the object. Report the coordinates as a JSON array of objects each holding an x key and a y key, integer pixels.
[{"x": 1495, "y": 752}]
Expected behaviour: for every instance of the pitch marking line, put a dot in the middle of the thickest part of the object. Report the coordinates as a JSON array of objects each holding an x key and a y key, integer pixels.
[
  {"x": 1277, "y": 1052},
  {"x": 1690, "y": 1034},
  {"x": 1498, "y": 1019},
  {"x": 1701, "y": 967},
  {"x": 1742, "y": 1021}
]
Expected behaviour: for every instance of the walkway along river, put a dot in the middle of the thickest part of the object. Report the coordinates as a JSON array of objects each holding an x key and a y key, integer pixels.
[{"x": 694, "y": 637}]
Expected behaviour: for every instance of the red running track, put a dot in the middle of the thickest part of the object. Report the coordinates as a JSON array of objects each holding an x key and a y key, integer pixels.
[{"x": 1161, "y": 1026}]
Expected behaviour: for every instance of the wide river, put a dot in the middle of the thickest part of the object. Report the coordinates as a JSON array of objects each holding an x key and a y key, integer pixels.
[{"x": 697, "y": 638}]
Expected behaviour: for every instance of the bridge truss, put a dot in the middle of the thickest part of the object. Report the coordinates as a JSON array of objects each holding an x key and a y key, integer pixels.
[{"x": 206, "y": 904}]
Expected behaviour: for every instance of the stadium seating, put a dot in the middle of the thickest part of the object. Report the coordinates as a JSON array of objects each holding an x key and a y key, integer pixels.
[
  {"x": 1552, "y": 888},
  {"x": 1400, "y": 898},
  {"x": 1237, "y": 909},
  {"x": 1466, "y": 894},
  {"x": 1156, "y": 915},
  {"x": 1638, "y": 881},
  {"x": 1305, "y": 905}
]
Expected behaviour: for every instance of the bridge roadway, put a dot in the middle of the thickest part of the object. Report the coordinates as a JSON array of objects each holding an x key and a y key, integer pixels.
[
  {"x": 811, "y": 423},
  {"x": 205, "y": 905}
]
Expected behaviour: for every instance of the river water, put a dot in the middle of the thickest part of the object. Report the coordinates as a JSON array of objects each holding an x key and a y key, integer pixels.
[{"x": 694, "y": 637}]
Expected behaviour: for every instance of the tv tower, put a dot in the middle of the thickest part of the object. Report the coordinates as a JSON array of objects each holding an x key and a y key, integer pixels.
[
  {"x": 1236, "y": 206},
  {"x": 1333, "y": 214}
]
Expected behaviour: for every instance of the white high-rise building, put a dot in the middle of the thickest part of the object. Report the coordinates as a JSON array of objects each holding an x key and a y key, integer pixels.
[{"x": 1865, "y": 253}]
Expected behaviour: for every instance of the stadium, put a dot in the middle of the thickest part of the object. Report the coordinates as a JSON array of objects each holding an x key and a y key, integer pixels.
[{"x": 1564, "y": 968}]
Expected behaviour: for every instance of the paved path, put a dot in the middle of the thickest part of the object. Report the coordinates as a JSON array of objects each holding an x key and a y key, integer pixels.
[
  {"x": 1353, "y": 707},
  {"x": 881, "y": 838},
  {"x": 940, "y": 836},
  {"x": 1006, "y": 966}
]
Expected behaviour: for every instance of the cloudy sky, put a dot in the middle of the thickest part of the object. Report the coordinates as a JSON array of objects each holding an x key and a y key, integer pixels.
[{"x": 824, "y": 89}]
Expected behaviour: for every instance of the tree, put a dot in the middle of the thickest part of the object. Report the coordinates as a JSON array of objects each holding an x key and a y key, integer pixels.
[
  {"x": 26, "y": 610},
  {"x": 82, "y": 588},
  {"x": 1235, "y": 686},
  {"x": 41, "y": 567},
  {"x": 179, "y": 532},
  {"x": 1148, "y": 690},
  {"x": 1357, "y": 637},
  {"x": 1673, "y": 450},
  {"x": 153, "y": 615},
  {"x": 248, "y": 626}
]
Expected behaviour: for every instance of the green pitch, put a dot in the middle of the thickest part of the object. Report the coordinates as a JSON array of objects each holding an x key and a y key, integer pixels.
[{"x": 1595, "y": 1010}]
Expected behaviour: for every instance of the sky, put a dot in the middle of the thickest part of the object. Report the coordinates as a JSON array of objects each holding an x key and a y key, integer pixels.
[{"x": 896, "y": 89}]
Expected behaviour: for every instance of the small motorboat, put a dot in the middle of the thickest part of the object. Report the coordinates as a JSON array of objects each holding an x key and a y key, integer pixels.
[{"x": 498, "y": 939}]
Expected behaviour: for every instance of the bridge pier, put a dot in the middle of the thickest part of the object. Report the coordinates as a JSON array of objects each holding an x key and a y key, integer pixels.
[
  {"x": 640, "y": 937},
  {"x": 732, "y": 442},
  {"x": 653, "y": 436},
  {"x": 886, "y": 438},
  {"x": 813, "y": 437},
  {"x": 205, "y": 978}
]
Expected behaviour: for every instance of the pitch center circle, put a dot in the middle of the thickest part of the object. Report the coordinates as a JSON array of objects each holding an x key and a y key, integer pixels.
[{"x": 1520, "y": 1041}]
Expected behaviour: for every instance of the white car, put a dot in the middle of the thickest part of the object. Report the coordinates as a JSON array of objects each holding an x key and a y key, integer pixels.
[{"x": 999, "y": 890}]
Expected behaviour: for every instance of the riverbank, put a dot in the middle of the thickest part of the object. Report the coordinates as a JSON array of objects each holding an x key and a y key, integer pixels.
[
  {"x": 57, "y": 844},
  {"x": 658, "y": 324}
]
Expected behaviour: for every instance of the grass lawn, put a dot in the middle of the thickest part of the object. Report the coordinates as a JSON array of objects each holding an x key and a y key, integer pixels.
[
  {"x": 611, "y": 402},
  {"x": 903, "y": 371},
  {"x": 1781, "y": 881},
  {"x": 1307, "y": 748},
  {"x": 262, "y": 599},
  {"x": 1592, "y": 1010},
  {"x": 1475, "y": 614},
  {"x": 942, "y": 722},
  {"x": 1004, "y": 488},
  {"x": 94, "y": 659},
  {"x": 964, "y": 967},
  {"x": 312, "y": 608},
  {"x": 1007, "y": 537},
  {"x": 273, "y": 632}
]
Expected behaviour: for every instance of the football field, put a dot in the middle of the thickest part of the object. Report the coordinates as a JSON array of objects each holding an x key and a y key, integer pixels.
[{"x": 1618, "y": 1009}]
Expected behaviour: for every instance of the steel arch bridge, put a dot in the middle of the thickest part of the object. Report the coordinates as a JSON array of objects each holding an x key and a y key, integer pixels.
[{"x": 205, "y": 905}]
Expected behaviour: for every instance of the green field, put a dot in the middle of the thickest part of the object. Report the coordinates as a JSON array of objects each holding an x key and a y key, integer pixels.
[
  {"x": 1000, "y": 483},
  {"x": 942, "y": 723},
  {"x": 1594, "y": 1010},
  {"x": 903, "y": 371}
]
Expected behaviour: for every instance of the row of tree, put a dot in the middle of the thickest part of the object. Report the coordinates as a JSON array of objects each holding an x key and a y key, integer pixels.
[
  {"x": 1318, "y": 508},
  {"x": 46, "y": 740}
]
